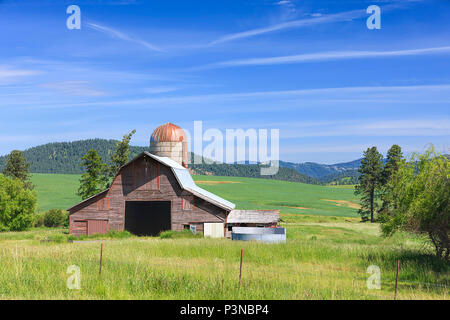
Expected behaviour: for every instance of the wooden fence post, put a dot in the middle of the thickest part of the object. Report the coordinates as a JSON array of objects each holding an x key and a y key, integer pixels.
[
  {"x": 101, "y": 258},
  {"x": 396, "y": 280},
  {"x": 240, "y": 268}
]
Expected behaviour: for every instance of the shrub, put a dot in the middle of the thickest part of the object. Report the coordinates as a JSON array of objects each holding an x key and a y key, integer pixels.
[
  {"x": 38, "y": 220},
  {"x": 56, "y": 218},
  {"x": 17, "y": 205}
]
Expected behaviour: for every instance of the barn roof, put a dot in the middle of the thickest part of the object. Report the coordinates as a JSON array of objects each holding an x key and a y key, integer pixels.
[
  {"x": 184, "y": 179},
  {"x": 254, "y": 216},
  {"x": 186, "y": 182}
]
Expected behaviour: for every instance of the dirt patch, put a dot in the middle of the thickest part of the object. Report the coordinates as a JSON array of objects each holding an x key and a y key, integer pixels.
[
  {"x": 215, "y": 182},
  {"x": 343, "y": 203},
  {"x": 301, "y": 208}
]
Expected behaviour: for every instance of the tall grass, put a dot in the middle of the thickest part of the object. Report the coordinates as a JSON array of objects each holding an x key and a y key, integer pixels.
[{"x": 153, "y": 268}]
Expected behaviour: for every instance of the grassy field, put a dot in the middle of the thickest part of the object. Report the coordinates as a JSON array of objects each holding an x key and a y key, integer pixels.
[
  {"x": 320, "y": 260},
  {"x": 326, "y": 255},
  {"x": 56, "y": 191},
  {"x": 59, "y": 191}
]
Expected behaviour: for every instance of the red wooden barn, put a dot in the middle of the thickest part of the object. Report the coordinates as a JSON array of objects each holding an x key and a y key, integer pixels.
[{"x": 148, "y": 195}]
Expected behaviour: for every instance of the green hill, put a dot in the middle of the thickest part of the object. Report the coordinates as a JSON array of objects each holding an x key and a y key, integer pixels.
[
  {"x": 64, "y": 158},
  {"x": 59, "y": 191}
]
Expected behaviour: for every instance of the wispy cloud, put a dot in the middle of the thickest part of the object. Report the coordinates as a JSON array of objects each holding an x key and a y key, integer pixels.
[
  {"x": 73, "y": 88},
  {"x": 156, "y": 90},
  {"x": 325, "y": 56},
  {"x": 9, "y": 74},
  {"x": 365, "y": 128},
  {"x": 342, "y": 16},
  {"x": 293, "y": 98},
  {"x": 123, "y": 36}
]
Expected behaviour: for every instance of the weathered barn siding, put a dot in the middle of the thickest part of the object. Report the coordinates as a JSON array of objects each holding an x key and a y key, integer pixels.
[{"x": 145, "y": 179}]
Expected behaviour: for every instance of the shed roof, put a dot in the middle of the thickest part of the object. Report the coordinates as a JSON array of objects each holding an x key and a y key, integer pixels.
[{"x": 254, "y": 216}]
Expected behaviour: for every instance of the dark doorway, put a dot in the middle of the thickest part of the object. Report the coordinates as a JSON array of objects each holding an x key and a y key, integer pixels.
[{"x": 147, "y": 218}]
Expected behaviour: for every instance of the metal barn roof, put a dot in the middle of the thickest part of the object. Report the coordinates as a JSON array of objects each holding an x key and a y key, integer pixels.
[
  {"x": 254, "y": 216},
  {"x": 186, "y": 182}
]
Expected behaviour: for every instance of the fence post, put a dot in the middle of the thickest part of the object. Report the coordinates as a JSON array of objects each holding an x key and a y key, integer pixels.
[
  {"x": 396, "y": 280},
  {"x": 240, "y": 268},
  {"x": 101, "y": 258}
]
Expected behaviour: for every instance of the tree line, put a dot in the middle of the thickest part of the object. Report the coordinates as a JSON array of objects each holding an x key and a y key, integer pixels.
[{"x": 407, "y": 194}]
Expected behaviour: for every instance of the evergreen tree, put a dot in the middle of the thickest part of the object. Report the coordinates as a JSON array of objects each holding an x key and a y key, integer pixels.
[
  {"x": 121, "y": 155},
  {"x": 95, "y": 178},
  {"x": 17, "y": 167},
  {"x": 393, "y": 160},
  {"x": 369, "y": 182}
]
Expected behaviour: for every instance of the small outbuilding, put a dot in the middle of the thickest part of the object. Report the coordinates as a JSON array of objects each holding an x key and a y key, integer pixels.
[{"x": 253, "y": 218}]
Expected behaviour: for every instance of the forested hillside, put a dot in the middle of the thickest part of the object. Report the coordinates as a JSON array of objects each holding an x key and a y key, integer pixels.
[
  {"x": 64, "y": 157},
  {"x": 250, "y": 171}
]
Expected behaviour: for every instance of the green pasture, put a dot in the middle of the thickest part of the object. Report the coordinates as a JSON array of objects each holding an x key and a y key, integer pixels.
[{"x": 59, "y": 191}]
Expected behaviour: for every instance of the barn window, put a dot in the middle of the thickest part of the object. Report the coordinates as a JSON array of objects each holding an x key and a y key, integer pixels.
[
  {"x": 188, "y": 203},
  {"x": 104, "y": 204}
]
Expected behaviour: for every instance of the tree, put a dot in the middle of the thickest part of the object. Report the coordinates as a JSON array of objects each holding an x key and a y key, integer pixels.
[
  {"x": 393, "y": 159},
  {"x": 17, "y": 167},
  {"x": 17, "y": 205},
  {"x": 369, "y": 182},
  {"x": 95, "y": 178},
  {"x": 420, "y": 190},
  {"x": 121, "y": 155},
  {"x": 56, "y": 218}
]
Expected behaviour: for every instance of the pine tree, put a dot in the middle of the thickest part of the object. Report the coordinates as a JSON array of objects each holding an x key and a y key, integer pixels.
[
  {"x": 17, "y": 167},
  {"x": 121, "y": 155},
  {"x": 394, "y": 158},
  {"x": 95, "y": 179},
  {"x": 369, "y": 182}
]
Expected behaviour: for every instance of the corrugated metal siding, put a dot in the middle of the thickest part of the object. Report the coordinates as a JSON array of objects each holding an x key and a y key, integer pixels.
[
  {"x": 213, "y": 230},
  {"x": 259, "y": 234}
]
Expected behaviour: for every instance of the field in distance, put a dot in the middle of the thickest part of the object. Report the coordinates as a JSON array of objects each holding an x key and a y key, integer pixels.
[{"x": 59, "y": 191}]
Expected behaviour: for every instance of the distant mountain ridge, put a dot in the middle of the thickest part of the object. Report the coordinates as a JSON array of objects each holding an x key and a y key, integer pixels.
[
  {"x": 65, "y": 157},
  {"x": 320, "y": 171}
]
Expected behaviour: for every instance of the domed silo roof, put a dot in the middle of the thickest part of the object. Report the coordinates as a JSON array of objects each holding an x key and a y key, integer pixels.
[{"x": 168, "y": 132}]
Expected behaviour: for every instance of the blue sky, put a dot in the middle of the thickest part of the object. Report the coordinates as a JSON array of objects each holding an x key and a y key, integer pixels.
[{"x": 309, "y": 68}]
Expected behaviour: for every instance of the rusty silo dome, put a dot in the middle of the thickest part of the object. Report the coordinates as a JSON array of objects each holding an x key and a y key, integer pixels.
[
  {"x": 168, "y": 132},
  {"x": 169, "y": 140}
]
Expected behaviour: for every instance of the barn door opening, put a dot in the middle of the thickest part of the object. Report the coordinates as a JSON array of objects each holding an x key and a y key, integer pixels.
[{"x": 147, "y": 218}]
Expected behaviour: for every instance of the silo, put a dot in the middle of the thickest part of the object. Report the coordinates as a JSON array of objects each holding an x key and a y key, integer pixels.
[{"x": 170, "y": 141}]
